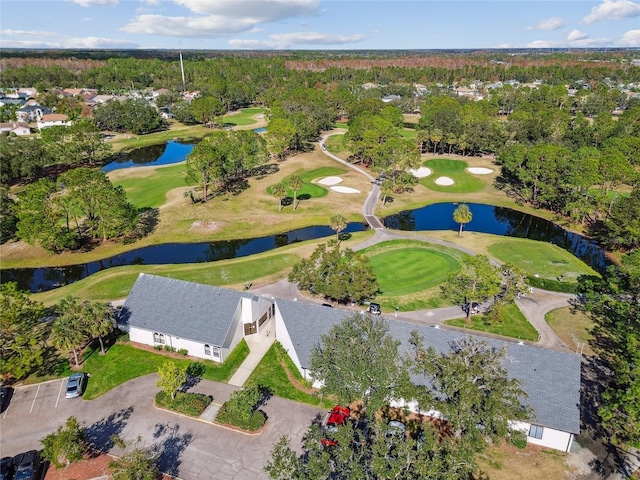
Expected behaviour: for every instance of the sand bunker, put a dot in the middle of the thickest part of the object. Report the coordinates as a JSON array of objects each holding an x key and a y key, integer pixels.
[
  {"x": 330, "y": 181},
  {"x": 444, "y": 181},
  {"x": 421, "y": 172},
  {"x": 480, "y": 170},
  {"x": 345, "y": 190}
]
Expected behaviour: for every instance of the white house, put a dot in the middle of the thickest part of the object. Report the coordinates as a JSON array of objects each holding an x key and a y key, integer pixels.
[
  {"x": 206, "y": 321},
  {"x": 32, "y": 113},
  {"x": 210, "y": 321},
  {"x": 53, "y": 120},
  {"x": 17, "y": 128}
]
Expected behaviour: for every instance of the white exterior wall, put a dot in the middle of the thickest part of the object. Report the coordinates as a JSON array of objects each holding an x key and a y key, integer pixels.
[
  {"x": 282, "y": 335},
  {"x": 195, "y": 349},
  {"x": 551, "y": 438}
]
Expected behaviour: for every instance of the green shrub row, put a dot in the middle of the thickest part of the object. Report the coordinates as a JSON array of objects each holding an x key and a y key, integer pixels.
[
  {"x": 167, "y": 348},
  {"x": 192, "y": 404},
  {"x": 255, "y": 422},
  {"x": 552, "y": 285}
]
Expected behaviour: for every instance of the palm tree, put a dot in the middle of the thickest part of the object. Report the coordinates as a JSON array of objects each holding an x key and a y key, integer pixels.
[
  {"x": 67, "y": 335},
  {"x": 99, "y": 320},
  {"x": 435, "y": 136},
  {"x": 338, "y": 223},
  {"x": 295, "y": 183},
  {"x": 279, "y": 190},
  {"x": 462, "y": 215}
]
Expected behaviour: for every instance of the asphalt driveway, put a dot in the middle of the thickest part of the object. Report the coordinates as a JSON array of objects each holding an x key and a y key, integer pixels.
[{"x": 188, "y": 448}]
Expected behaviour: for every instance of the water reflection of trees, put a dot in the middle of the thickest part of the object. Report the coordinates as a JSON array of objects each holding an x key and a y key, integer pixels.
[
  {"x": 145, "y": 155},
  {"x": 405, "y": 220}
]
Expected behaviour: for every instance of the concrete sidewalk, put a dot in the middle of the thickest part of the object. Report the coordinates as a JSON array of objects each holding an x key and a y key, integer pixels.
[{"x": 259, "y": 344}]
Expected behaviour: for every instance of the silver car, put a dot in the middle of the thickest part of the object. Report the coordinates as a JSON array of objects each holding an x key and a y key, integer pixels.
[{"x": 76, "y": 384}]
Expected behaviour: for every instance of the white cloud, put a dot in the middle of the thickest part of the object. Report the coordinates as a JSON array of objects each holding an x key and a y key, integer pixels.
[
  {"x": 576, "y": 35},
  {"x": 591, "y": 42},
  {"x": 26, "y": 33},
  {"x": 630, "y": 39},
  {"x": 89, "y": 3},
  {"x": 613, "y": 9},
  {"x": 287, "y": 40},
  {"x": 82, "y": 42},
  {"x": 87, "y": 19},
  {"x": 553, "y": 23},
  {"x": 544, "y": 44},
  {"x": 221, "y": 17}
]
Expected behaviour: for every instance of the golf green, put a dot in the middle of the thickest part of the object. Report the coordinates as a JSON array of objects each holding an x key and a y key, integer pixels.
[{"x": 412, "y": 269}]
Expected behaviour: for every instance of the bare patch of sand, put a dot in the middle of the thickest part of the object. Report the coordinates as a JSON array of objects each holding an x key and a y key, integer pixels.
[
  {"x": 444, "y": 181},
  {"x": 421, "y": 172},
  {"x": 330, "y": 181},
  {"x": 345, "y": 190},
  {"x": 205, "y": 227},
  {"x": 479, "y": 170}
]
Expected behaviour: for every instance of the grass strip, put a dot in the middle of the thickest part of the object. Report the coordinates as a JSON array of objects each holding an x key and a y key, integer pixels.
[
  {"x": 124, "y": 362},
  {"x": 514, "y": 324}
]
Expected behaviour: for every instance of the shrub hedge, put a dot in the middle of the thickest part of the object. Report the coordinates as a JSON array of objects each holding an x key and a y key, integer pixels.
[
  {"x": 255, "y": 422},
  {"x": 192, "y": 404}
]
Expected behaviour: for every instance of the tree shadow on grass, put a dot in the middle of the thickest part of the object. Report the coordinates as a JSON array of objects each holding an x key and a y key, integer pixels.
[
  {"x": 53, "y": 364},
  {"x": 169, "y": 446},
  {"x": 264, "y": 170},
  {"x": 100, "y": 434},
  {"x": 148, "y": 220}
]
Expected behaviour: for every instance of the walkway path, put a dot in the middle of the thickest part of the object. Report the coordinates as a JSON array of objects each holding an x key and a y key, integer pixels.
[{"x": 258, "y": 344}]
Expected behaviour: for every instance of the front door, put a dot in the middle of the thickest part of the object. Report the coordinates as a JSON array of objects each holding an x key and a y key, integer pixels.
[{"x": 250, "y": 328}]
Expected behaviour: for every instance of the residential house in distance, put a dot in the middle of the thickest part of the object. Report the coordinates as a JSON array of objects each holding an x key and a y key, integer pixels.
[
  {"x": 32, "y": 113},
  {"x": 17, "y": 128},
  {"x": 210, "y": 321},
  {"x": 53, "y": 120}
]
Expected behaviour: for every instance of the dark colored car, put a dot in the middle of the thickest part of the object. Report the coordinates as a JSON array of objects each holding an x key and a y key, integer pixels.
[
  {"x": 26, "y": 465},
  {"x": 374, "y": 309},
  {"x": 5, "y": 397},
  {"x": 475, "y": 307},
  {"x": 76, "y": 384},
  {"x": 6, "y": 468},
  {"x": 338, "y": 416}
]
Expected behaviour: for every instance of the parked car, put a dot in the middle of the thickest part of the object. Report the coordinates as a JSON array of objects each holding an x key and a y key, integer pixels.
[
  {"x": 338, "y": 416},
  {"x": 475, "y": 307},
  {"x": 6, "y": 468},
  {"x": 374, "y": 308},
  {"x": 5, "y": 397},
  {"x": 396, "y": 430},
  {"x": 26, "y": 465},
  {"x": 76, "y": 383}
]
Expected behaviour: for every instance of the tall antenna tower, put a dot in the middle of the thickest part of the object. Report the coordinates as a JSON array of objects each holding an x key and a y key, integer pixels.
[{"x": 184, "y": 88}]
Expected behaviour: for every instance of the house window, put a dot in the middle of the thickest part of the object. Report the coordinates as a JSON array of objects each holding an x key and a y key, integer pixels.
[
  {"x": 158, "y": 338},
  {"x": 207, "y": 350},
  {"x": 216, "y": 352},
  {"x": 535, "y": 431}
]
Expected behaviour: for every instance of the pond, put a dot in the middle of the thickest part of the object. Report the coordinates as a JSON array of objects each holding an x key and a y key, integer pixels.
[
  {"x": 260, "y": 130},
  {"x": 500, "y": 221},
  {"x": 48, "y": 278},
  {"x": 153, "y": 155}
]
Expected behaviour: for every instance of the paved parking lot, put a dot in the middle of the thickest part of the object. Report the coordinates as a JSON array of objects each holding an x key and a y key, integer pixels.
[{"x": 188, "y": 448}]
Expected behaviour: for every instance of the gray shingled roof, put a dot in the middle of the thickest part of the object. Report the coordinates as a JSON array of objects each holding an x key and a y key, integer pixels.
[
  {"x": 181, "y": 309},
  {"x": 551, "y": 379}
]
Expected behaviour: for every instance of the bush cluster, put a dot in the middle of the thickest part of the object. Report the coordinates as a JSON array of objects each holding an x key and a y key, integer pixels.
[
  {"x": 192, "y": 404},
  {"x": 552, "y": 285},
  {"x": 255, "y": 421}
]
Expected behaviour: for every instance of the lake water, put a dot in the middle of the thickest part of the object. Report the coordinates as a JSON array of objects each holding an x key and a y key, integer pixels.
[
  {"x": 48, "y": 278},
  {"x": 153, "y": 155},
  {"x": 500, "y": 221}
]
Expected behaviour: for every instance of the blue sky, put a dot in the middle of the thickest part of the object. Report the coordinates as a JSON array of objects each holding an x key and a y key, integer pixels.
[{"x": 318, "y": 24}]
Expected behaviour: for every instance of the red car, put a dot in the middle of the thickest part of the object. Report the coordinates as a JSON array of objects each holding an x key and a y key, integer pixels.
[{"x": 337, "y": 416}]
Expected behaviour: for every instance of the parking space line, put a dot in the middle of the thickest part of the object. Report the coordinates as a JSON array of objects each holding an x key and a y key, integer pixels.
[
  {"x": 34, "y": 399},
  {"x": 59, "y": 392}
]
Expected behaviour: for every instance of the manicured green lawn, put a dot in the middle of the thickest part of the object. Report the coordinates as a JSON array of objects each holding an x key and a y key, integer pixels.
[
  {"x": 336, "y": 146},
  {"x": 409, "y": 270},
  {"x": 123, "y": 362},
  {"x": 572, "y": 327},
  {"x": 270, "y": 373},
  {"x": 244, "y": 117},
  {"x": 454, "y": 169},
  {"x": 116, "y": 282},
  {"x": 410, "y": 133},
  {"x": 311, "y": 190},
  {"x": 151, "y": 191},
  {"x": 514, "y": 325},
  {"x": 539, "y": 258}
]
